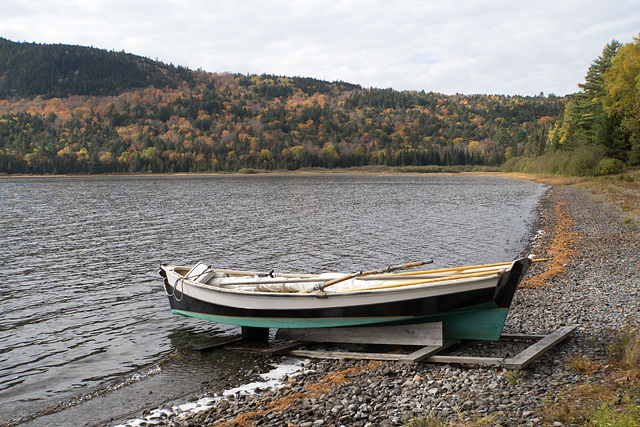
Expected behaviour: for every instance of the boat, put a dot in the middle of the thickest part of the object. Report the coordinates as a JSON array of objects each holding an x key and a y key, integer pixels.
[{"x": 472, "y": 302}]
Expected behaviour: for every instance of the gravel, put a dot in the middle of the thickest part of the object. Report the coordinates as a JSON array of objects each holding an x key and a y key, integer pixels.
[{"x": 598, "y": 292}]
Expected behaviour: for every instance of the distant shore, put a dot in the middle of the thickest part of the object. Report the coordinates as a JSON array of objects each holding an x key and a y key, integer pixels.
[{"x": 383, "y": 170}]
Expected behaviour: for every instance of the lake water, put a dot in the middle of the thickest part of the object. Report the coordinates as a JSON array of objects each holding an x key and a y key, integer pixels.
[{"x": 82, "y": 305}]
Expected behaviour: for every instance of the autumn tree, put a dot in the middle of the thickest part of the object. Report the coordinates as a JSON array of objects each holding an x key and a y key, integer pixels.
[{"x": 622, "y": 99}]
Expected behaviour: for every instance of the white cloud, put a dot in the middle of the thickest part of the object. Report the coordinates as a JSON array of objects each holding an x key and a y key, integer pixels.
[{"x": 465, "y": 46}]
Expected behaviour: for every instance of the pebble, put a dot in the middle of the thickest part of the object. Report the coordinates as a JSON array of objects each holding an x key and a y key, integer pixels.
[{"x": 598, "y": 292}]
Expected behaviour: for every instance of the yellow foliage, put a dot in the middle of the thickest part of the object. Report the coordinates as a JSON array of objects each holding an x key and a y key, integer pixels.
[
  {"x": 231, "y": 156},
  {"x": 124, "y": 157},
  {"x": 298, "y": 152},
  {"x": 106, "y": 158},
  {"x": 508, "y": 153},
  {"x": 266, "y": 154},
  {"x": 83, "y": 155},
  {"x": 151, "y": 154},
  {"x": 203, "y": 115},
  {"x": 622, "y": 82},
  {"x": 30, "y": 158},
  {"x": 66, "y": 151},
  {"x": 329, "y": 153}
]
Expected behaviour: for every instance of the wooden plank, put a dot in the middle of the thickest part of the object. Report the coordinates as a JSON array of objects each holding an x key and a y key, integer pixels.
[
  {"x": 319, "y": 354},
  {"x": 426, "y": 334},
  {"x": 530, "y": 354},
  {"x": 426, "y": 352},
  {"x": 215, "y": 346},
  {"x": 521, "y": 337},
  {"x": 282, "y": 348},
  {"x": 466, "y": 360}
]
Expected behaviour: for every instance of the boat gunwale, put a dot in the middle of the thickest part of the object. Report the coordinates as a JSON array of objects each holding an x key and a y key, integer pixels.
[{"x": 344, "y": 294}]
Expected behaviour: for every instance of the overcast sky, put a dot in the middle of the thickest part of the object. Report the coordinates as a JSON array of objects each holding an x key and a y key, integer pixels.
[{"x": 449, "y": 46}]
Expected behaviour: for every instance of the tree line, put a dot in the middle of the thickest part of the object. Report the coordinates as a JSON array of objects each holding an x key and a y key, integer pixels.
[{"x": 193, "y": 121}]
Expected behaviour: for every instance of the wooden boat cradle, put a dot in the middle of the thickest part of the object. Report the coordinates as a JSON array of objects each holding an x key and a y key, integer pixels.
[{"x": 428, "y": 337}]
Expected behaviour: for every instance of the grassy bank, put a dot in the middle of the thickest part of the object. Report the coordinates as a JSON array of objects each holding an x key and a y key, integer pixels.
[{"x": 621, "y": 190}]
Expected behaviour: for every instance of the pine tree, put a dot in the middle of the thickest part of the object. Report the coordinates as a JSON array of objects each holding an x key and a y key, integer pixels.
[{"x": 589, "y": 119}]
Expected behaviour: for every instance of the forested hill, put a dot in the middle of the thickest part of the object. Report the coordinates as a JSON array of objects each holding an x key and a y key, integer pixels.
[
  {"x": 71, "y": 109},
  {"x": 59, "y": 70}
]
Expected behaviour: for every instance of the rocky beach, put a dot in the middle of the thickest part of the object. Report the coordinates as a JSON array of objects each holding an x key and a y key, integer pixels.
[{"x": 591, "y": 281}]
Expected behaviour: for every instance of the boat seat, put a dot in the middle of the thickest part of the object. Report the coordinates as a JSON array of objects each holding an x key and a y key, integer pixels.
[{"x": 202, "y": 273}]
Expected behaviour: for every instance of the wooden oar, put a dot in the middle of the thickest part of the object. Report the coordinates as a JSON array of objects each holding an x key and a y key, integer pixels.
[
  {"x": 424, "y": 281},
  {"x": 497, "y": 266},
  {"x": 391, "y": 268},
  {"x": 457, "y": 269}
]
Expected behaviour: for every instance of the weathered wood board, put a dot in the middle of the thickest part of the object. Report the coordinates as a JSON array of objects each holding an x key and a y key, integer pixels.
[
  {"x": 426, "y": 352},
  {"x": 426, "y": 334},
  {"x": 530, "y": 354}
]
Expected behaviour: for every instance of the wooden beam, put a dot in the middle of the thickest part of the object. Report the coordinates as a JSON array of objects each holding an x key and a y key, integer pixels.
[
  {"x": 319, "y": 354},
  {"x": 521, "y": 337},
  {"x": 533, "y": 352},
  {"x": 426, "y": 352},
  {"x": 466, "y": 360},
  {"x": 282, "y": 348},
  {"x": 215, "y": 346},
  {"x": 426, "y": 334}
]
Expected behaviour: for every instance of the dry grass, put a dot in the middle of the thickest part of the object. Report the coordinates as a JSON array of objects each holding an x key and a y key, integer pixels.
[
  {"x": 627, "y": 353},
  {"x": 488, "y": 421},
  {"x": 560, "y": 248},
  {"x": 620, "y": 190},
  {"x": 583, "y": 365},
  {"x": 613, "y": 401}
]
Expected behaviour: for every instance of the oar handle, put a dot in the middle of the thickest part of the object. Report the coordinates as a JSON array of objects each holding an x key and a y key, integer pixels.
[
  {"x": 342, "y": 279},
  {"x": 409, "y": 265}
]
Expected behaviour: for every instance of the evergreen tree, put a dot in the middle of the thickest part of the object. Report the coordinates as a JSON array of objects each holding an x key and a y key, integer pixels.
[{"x": 592, "y": 123}]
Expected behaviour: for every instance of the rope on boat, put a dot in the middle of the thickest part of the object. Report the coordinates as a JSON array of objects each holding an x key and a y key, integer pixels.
[
  {"x": 166, "y": 283},
  {"x": 182, "y": 279},
  {"x": 175, "y": 288}
]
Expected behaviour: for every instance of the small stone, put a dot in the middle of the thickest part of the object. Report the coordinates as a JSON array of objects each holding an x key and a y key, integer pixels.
[{"x": 468, "y": 404}]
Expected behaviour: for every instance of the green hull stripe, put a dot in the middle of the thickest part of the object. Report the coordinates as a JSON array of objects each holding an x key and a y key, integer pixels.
[
  {"x": 481, "y": 323},
  {"x": 262, "y": 322}
]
